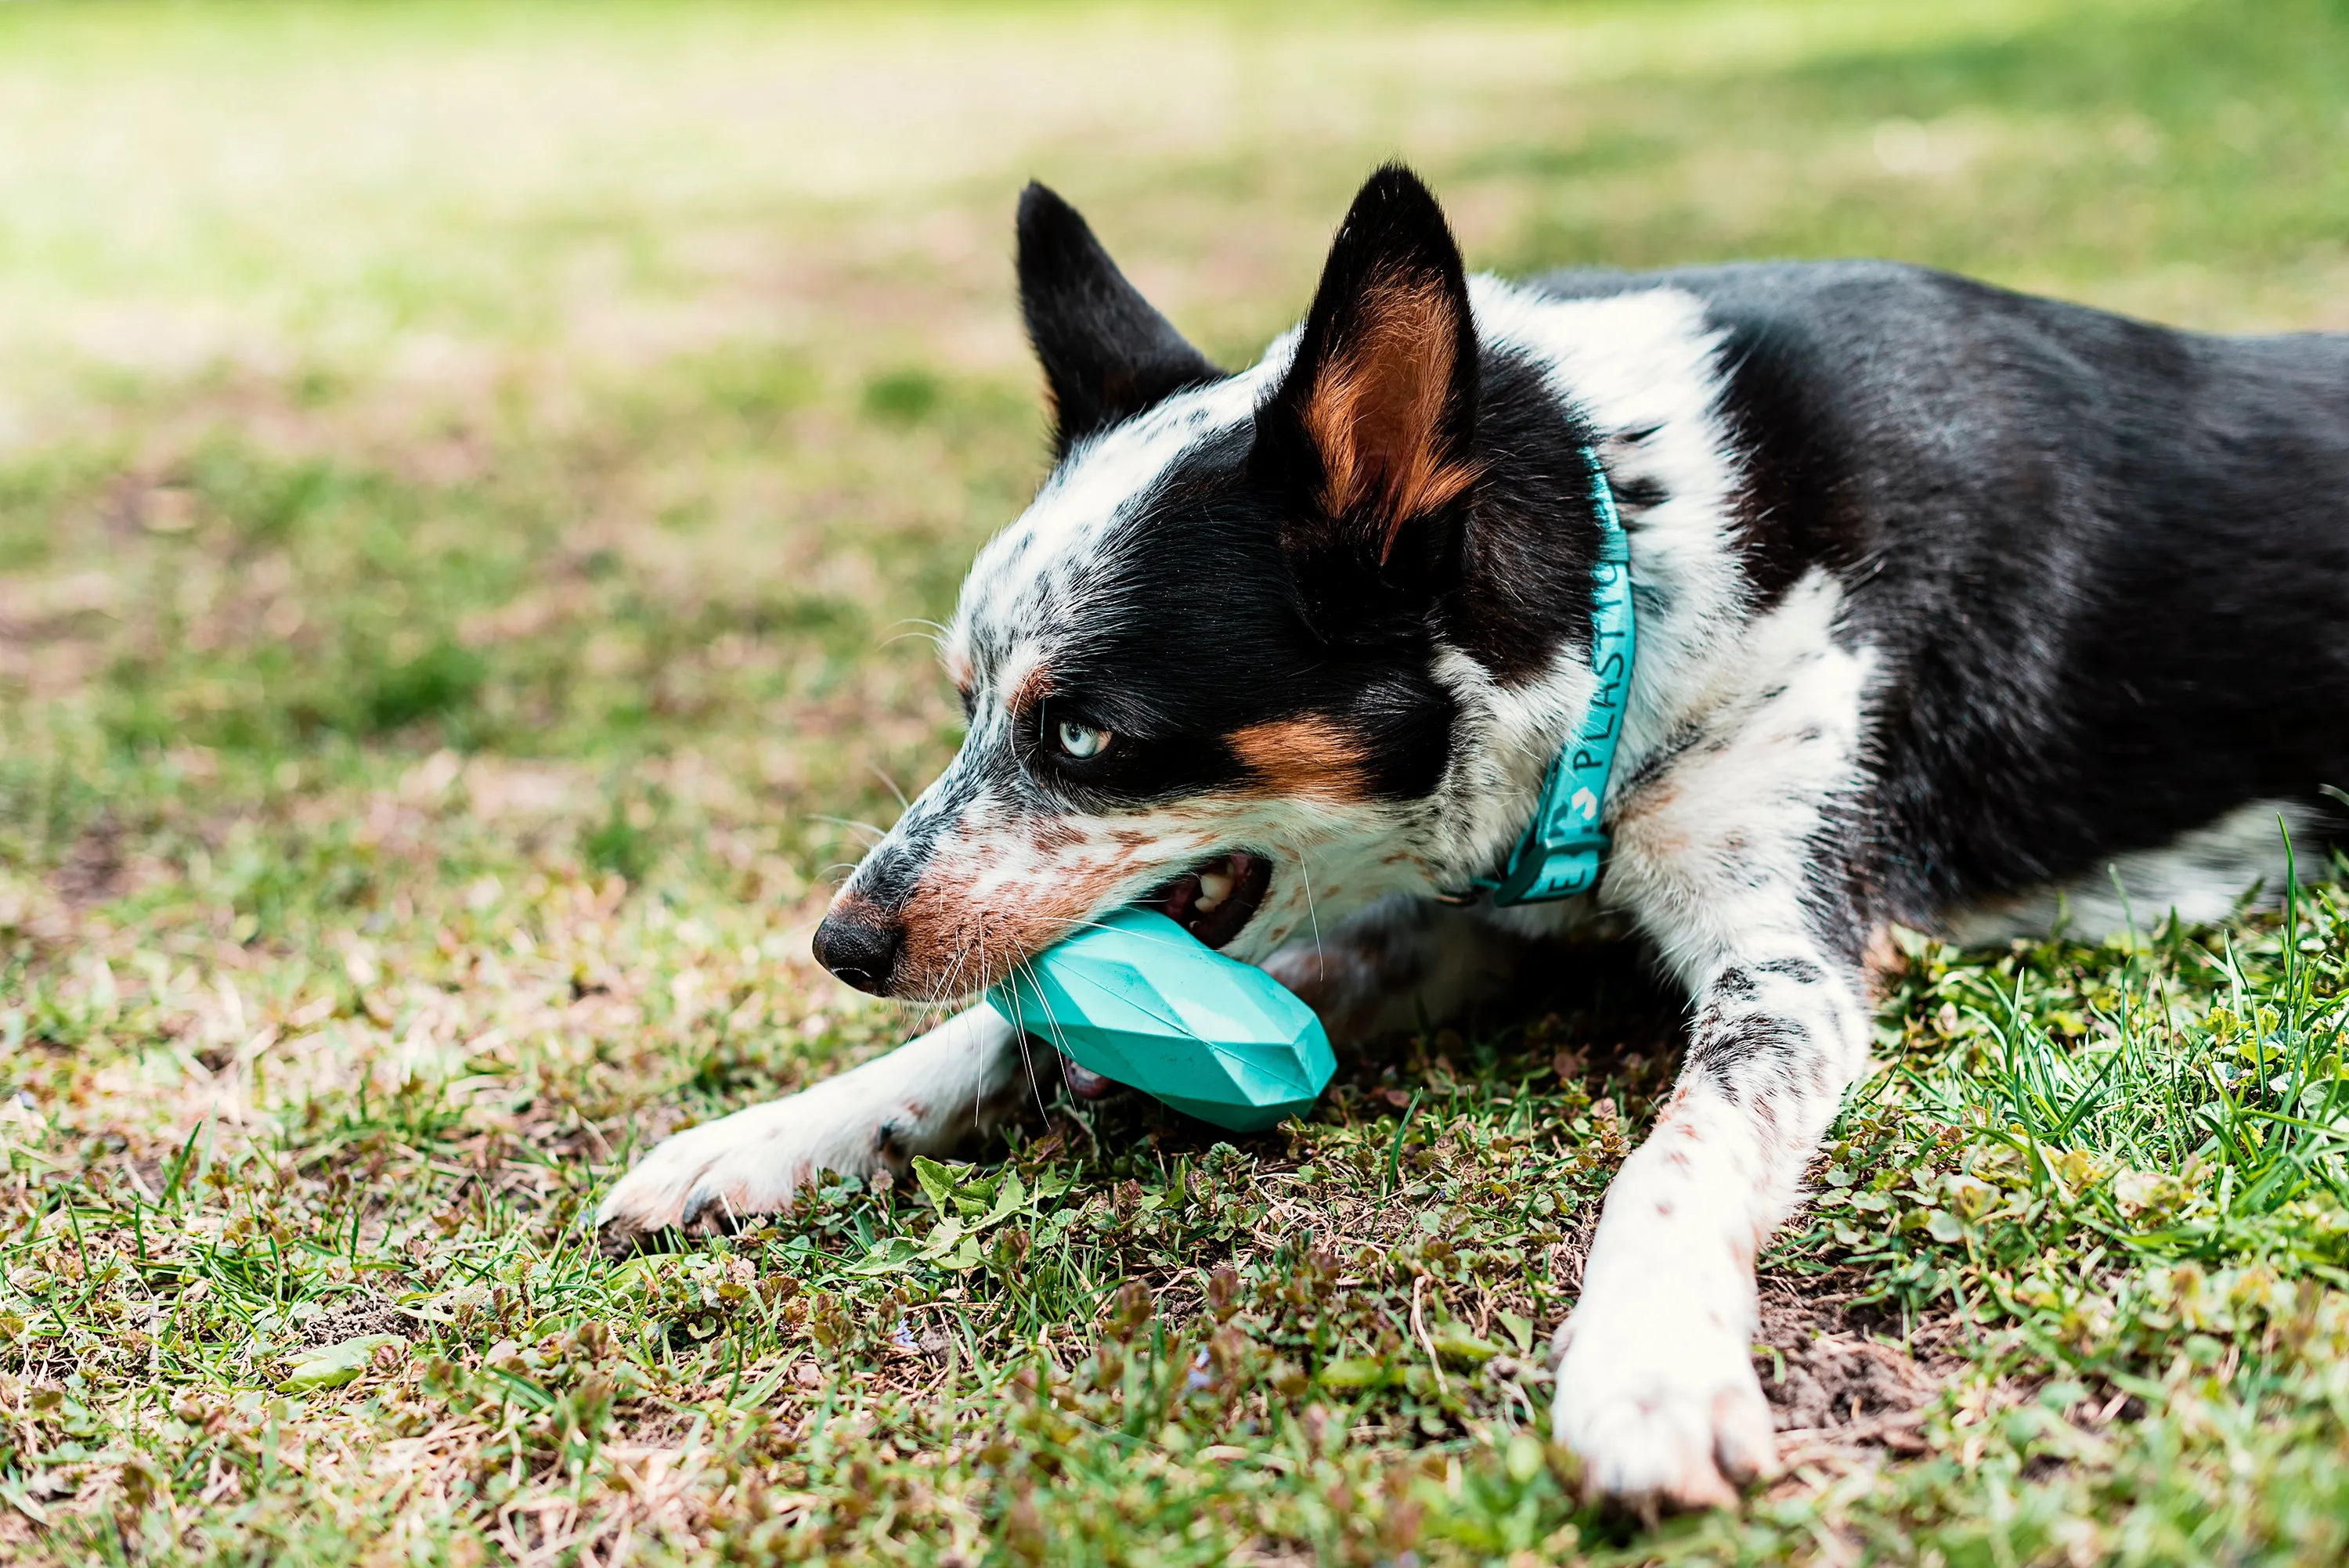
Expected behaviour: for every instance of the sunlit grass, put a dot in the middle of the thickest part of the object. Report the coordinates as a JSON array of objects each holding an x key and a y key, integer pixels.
[{"x": 470, "y": 480}]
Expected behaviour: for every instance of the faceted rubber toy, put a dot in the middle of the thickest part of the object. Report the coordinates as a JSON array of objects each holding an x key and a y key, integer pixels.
[{"x": 1140, "y": 1000}]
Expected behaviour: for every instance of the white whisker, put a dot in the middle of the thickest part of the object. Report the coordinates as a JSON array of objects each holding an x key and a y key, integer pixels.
[
  {"x": 878, "y": 832},
  {"x": 903, "y": 804}
]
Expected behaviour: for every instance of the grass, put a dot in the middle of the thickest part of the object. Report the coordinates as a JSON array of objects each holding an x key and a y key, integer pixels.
[{"x": 466, "y": 477}]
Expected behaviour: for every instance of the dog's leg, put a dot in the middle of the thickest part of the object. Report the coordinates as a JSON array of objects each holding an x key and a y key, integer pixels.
[
  {"x": 1728, "y": 860},
  {"x": 1656, "y": 1384},
  {"x": 923, "y": 1098},
  {"x": 1399, "y": 965}
]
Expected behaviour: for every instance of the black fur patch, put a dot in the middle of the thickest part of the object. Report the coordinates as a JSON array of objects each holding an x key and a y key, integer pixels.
[
  {"x": 1106, "y": 354},
  {"x": 1730, "y": 1050},
  {"x": 1801, "y": 971},
  {"x": 1196, "y": 629},
  {"x": 1531, "y": 536}
]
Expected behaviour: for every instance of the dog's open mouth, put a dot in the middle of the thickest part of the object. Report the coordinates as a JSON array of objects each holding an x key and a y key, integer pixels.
[
  {"x": 1212, "y": 901},
  {"x": 1215, "y": 899}
]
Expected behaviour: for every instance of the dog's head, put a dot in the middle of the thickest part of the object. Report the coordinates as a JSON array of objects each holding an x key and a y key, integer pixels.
[{"x": 1206, "y": 668}]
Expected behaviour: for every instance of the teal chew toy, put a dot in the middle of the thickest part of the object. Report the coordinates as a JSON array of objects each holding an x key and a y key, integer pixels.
[{"x": 1139, "y": 999}]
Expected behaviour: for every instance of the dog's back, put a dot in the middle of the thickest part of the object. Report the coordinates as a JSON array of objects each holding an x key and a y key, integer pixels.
[{"x": 2107, "y": 561}]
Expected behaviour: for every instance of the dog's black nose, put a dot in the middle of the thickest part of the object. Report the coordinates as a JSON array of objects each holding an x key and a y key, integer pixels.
[{"x": 860, "y": 947}]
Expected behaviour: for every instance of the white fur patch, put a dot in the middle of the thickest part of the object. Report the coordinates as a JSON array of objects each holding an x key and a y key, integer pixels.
[
  {"x": 2201, "y": 875},
  {"x": 1644, "y": 369},
  {"x": 925, "y": 1097},
  {"x": 1713, "y": 848}
]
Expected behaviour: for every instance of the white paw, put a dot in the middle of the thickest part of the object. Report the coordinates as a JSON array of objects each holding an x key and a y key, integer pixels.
[
  {"x": 1656, "y": 1393},
  {"x": 747, "y": 1163},
  {"x": 920, "y": 1099}
]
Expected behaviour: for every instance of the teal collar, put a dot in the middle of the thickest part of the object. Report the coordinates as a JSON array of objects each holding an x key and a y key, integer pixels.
[{"x": 1564, "y": 847}]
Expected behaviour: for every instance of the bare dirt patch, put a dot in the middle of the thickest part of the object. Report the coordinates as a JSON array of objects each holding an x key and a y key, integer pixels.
[{"x": 1842, "y": 1389}]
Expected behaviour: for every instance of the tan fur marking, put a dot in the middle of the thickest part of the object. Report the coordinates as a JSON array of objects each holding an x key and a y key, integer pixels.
[
  {"x": 959, "y": 941},
  {"x": 853, "y": 906},
  {"x": 1375, "y": 411},
  {"x": 1033, "y": 688},
  {"x": 1312, "y": 758}
]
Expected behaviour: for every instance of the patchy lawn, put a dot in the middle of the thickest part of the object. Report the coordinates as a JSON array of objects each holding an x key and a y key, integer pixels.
[{"x": 469, "y": 481}]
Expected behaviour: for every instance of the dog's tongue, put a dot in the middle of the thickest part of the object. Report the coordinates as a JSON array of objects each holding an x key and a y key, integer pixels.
[{"x": 1085, "y": 1083}]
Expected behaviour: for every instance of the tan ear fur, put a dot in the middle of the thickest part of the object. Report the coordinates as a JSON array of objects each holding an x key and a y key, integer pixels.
[{"x": 1375, "y": 410}]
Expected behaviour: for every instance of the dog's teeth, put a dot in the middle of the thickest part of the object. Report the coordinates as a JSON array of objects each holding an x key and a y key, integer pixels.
[{"x": 1214, "y": 888}]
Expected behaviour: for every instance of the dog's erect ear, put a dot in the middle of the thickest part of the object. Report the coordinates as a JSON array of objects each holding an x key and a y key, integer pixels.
[
  {"x": 1106, "y": 354},
  {"x": 1375, "y": 421}
]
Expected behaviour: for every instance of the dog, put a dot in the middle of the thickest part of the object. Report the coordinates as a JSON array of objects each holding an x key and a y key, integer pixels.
[{"x": 1955, "y": 608}]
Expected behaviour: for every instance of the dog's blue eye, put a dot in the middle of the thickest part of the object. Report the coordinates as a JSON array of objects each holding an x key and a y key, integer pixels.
[{"x": 1081, "y": 740}]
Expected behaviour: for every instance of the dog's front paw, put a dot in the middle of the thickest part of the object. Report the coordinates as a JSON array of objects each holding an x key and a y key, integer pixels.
[
  {"x": 921, "y": 1098},
  {"x": 1656, "y": 1394},
  {"x": 724, "y": 1171}
]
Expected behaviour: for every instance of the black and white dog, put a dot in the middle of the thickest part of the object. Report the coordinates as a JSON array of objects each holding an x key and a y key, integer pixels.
[{"x": 1948, "y": 600}]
